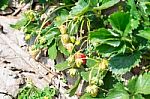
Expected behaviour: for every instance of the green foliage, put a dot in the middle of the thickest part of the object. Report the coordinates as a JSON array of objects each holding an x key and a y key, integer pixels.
[
  {"x": 120, "y": 64},
  {"x": 4, "y": 4},
  {"x": 145, "y": 33},
  {"x": 101, "y": 40},
  {"x": 32, "y": 92},
  {"x": 62, "y": 66},
  {"x": 106, "y": 4},
  {"x": 119, "y": 21},
  {"x": 80, "y": 8},
  {"x": 136, "y": 87},
  {"x": 118, "y": 92},
  {"x": 61, "y": 18},
  {"x": 52, "y": 51},
  {"x": 142, "y": 84},
  {"x": 68, "y": 2},
  {"x": 20, "y": 23},
  {"x": 101, "y": 35},
  {"x": 62, "y": 49}
]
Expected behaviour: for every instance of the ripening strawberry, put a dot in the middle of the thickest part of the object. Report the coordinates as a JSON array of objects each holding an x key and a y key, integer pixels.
[
  {"x": 81, "y": 56},
  {"x": 64, "y": 38}
]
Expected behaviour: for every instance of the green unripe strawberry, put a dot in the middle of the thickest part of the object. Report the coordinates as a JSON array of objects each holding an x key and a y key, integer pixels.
[
  {"x": 33, "y": 52},
  {"x": 78, "y": 41},
  {"x": 63, "y": 29},
  {"x": 27, "y": 37},
  {"x": 94, "y": 81},
  {"x": 72, "y": 38},
  {"x": 72, "y": 72},
  {"x": 42, "y": 40},
  {"x": 70, "y": 59},
  {"x": 64, "y": 38},
  {"x": 69, "y": 47},
  {"x": 103, "y": 64},
  {"x": 78, "y": 62},
  {"x": 30, "y": 15},
  {"x": 33, "y": 47},
  {"x": 45, "y": 97},
  {"x": 92, "y": 89},
  {"x": 100, "y": 82}
]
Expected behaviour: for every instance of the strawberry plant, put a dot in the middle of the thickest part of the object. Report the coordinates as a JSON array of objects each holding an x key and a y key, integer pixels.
[
  {"x": 30, "y": 91},
  {"x": 102, "y": 41}
]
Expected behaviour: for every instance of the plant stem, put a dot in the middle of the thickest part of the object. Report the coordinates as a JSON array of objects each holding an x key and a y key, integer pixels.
[{"x": 104, "y": 90}]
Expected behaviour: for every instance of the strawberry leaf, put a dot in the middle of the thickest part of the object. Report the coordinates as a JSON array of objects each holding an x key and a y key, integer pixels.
[
  {"x": 20, "y": 23},
  {"x": 131, "y": 85},
  {"x": 102, "y": 35},
  {"x": 122, "y": 63},
  {"x": 52, "y": 51},
  {"x": 142, "y": 85},
  {"x": 62, "y": 66},
  {"x": 137, "y": 96},
  {"x": 118, "y": 92},
  {"x": 106, "y": 49},
  {"x": 133, "y": 9},
  {"x": 62, "y": 49},
  {"x": 119, "y": 21},
  {"x": 91, "y": 62},
  {"x": 145, "y": 33},
  {"x": 80, "y": 8},
  {"x": 107, "y": 4},
  {"x": 61, "y": 18},
  {"x": 85, "y": 75}
]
